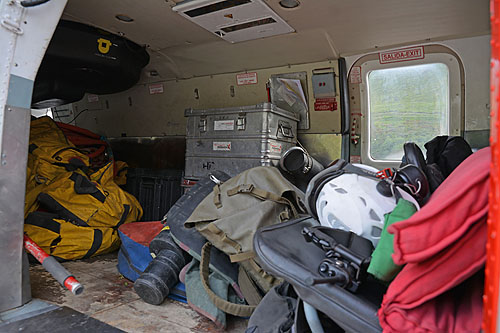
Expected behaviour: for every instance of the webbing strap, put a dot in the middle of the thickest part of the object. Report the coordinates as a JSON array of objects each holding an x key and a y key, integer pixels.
[
  {"x": 55, "y": 206},
  {"x": 84, "y": 186},
  {"x": 256, "y": 267},
  {"x": 248, "y": 287},
  {"x": 217, "y": 201},
  {"x": 68, "y": 148},
  {"x": 223, "y": 237},
  {"x": 262, "y": 195},
  {"x": 222, "y": 304},
  {"x": 126, "y": 211},
  {"x": 45, "y": 221},
  {"x": 284, "y": 216},
  {"x": 242, "y": 256},
  {"x": 96, "y": 244},
  {"x": 32, "y": 147}
]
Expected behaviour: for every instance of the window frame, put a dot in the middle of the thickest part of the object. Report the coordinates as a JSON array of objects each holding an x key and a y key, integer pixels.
[{"x": 433, "y": 54}]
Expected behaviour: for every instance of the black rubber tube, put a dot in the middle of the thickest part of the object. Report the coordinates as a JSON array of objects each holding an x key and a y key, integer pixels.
[{"x": 345, "y": 116}]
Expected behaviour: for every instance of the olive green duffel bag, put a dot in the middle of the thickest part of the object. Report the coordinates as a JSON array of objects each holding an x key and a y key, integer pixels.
[{"x": 229, "y": 217}]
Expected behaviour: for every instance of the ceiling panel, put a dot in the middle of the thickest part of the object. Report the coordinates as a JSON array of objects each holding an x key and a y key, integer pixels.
[{"x": 324, "y": 30}]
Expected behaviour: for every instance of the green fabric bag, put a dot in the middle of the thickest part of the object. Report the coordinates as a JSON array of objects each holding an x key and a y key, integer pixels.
[
  {"x": 382, "y": 266},
  {"x": 199, "y": 300},
  {"x": 229, "y": 217}
]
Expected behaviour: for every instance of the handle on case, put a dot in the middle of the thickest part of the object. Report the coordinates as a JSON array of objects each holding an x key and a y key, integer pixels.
[{"x": 286, "y": 130}]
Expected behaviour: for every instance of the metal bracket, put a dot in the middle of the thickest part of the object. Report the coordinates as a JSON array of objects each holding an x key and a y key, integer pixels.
[
  {"x": 12, "y": 26},
  {"x": 202, "y": 125},
  {"x": 241, "y": 123}
]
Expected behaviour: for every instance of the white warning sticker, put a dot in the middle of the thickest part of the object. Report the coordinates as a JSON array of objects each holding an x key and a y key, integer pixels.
[
  {"x": 156, "y": 88},
  {"x": 92, "y": 98},
  {"x": 223, "y": 125},
  {"x": 222, "y": 146},
  {"x": 355, "y": 75},
  {"x": 244, "y": 79}
]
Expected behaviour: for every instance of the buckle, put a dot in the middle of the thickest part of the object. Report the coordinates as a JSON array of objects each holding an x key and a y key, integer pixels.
[
  {"x": 245, "y": 188},
  {"x": 215, "y": 180},
  {"x": 385, "y": 173}
]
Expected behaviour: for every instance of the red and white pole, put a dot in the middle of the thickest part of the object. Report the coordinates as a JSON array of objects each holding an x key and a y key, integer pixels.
[{"x": 60, "y": 273}]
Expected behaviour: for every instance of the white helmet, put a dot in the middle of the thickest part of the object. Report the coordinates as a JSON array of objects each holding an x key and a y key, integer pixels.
[{"x": 354, "y": 201}]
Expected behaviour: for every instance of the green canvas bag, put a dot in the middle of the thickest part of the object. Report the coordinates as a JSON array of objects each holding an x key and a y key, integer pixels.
[{"x": 229, "y": 217}]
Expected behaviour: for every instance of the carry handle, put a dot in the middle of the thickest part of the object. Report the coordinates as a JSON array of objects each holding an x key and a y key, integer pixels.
[
  {"x": 286, "y": 130},
  {"x": 263, "y": 195},
  {"x": 239, "y": 310}
]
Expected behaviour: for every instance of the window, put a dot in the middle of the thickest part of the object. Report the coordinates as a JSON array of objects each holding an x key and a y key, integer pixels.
[{"x": 408, "y": 103}]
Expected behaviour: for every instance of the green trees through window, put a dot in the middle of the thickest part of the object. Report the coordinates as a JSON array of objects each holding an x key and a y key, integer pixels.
[{"x": 406, "y": 104}]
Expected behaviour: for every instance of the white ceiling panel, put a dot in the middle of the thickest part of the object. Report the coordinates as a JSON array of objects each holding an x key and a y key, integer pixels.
[{"x": 325, "y": 29}]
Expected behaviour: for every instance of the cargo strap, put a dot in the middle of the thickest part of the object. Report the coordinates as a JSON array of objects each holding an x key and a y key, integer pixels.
[
  {"x": 46, "y": 221},
  {"x": 96, "y": 244},
  {"x": 239, "y": 256},
  {"x": 239, "y": 310},
  {"x": 217, "y": 201},
  {"x": 242, "y": 256},
  {"x": 55, "y": 206},
  {"x": 218, "y": 183},
  {"x": 85, "y": 186},
  {"x": 262, "y": 195},
  {"x": 126, "y": 211},
  {"x": 270, "y": 279},
  {"x": 248, "y": 287}
]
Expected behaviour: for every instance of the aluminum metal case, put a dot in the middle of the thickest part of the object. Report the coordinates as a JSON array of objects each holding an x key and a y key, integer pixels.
[{"x": 236, "y": 139}]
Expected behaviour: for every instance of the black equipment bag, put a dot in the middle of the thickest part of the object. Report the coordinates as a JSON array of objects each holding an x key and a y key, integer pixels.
[
  {"x": 81, "y": 58},
  {"x": 447, "y": 152},
  {"x": 444, "y": 154},
  {"x": 276, "y": 311},
  {"x": 283, "y": 251}
]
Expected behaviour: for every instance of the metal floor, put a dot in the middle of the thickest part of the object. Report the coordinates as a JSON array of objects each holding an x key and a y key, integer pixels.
[{"x": 110, "y": 298}]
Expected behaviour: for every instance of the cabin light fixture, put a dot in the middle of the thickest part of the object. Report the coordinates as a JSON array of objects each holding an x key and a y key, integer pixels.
[
  {"x": 289, "y": 4},
  {"x": 124, "y": 18}
]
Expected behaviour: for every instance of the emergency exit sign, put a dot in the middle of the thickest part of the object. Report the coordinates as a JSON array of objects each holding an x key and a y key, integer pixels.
[{"x": 411, "y": 53}]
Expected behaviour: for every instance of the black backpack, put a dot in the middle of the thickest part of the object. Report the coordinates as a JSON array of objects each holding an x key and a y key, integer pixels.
[{"x": 444, "y": 154}]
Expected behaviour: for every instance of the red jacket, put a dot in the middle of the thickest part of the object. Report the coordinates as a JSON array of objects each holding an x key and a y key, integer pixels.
[{"x": 444, "y": 249}]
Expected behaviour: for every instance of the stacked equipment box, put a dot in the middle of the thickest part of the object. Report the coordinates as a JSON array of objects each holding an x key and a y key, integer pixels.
[{"x": 236, "y": 139}]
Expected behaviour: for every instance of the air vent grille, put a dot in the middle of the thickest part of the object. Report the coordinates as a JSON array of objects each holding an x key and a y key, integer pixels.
[
  {"x": 234, "y": 20},
  {"x": 247, "y": 25},
  {"x": 215, "y": 7}
]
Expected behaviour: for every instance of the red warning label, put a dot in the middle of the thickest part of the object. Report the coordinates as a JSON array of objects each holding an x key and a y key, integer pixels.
[
  {"x": 325, "y": 104},
  {"x": 407, "y": 54},
  {"x": 246, "y": 78},
  {"x": 222, "y": 146}
]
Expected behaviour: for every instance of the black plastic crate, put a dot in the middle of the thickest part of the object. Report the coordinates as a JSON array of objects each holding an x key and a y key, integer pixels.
[{"x": 156, "y": 190}]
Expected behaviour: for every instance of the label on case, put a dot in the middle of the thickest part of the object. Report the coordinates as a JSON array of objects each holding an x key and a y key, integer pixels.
[
  {"x": 275, "y": 147},
  {"x": 222, "y": 146},
  {"x": 223, "y": 125}
]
